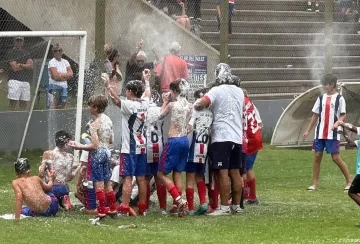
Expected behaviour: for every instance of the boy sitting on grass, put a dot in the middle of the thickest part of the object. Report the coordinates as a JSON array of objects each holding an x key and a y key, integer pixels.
[{"x": 33, "y": 192}]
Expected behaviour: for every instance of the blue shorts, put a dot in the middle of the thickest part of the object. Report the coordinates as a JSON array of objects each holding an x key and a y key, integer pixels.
[
  {"x": 90, "y": 199},
  {"x": 152, "y": 168},
  {"x": 99, "y": 163},
  {"x": 60, "y": 190},
  {"x": 174, "y": 155},
  {"x": 195, "y": 168},
  {"x": 249, "y": 161},
  {"x": 51, "y": 211},
  {"x": 331, "y": 146},
  {"x": 58, "y": 92},
  {"x": 133, "y": 164}
]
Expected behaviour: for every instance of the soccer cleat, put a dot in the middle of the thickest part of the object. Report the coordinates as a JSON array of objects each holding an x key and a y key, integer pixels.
[
  {"x": 202, "y": 210},
  {"x": 220, "y": 212},
  {"x": 237, "y": 210},
  {"x": 174, "y": 210},
  {"x": 163, "y": 212},
  {"x": 67, "y": 203},
  {"x": 252, "y": 202},
  {"x": 312, "y": 188},
  {"x": 182, "y": 207},
  {"x": 191, "y": 213}
]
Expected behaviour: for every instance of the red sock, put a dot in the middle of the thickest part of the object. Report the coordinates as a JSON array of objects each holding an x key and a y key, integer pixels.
[
  {"x": 161, "y": 192},
  {"x": 100, "y": 197},
  {"x": 215, "y": 197},
  {"x": 110, "y": 198},
  {"x": 173, "y": 191},
  {"x": 202, "y": 192},
  {"x": 148, "y": 196},
  {"x": 123, "y": 209},
  {"x": 142, "y": 207},
  {"x": 190, "y": 198},
  {"x": 246, "y": 189},
  {"x": 252, "y": 189}
]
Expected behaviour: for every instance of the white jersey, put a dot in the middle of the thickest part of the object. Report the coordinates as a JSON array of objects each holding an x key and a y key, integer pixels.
[
  {"x": 201, "y": 122},
  {"x": 227, "y": 102},
  {"x": 329, "y": 108},
  {"x": 132, "y": 125},
  {"x": 105, "y": 131},
  {"x": 154, "y": 134}
]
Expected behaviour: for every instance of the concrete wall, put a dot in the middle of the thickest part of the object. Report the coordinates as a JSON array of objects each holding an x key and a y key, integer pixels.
[
  {"x": 54, "y": 15},
  {"x": 141, "y": 20},
  {"x": 44, "y": 124}
]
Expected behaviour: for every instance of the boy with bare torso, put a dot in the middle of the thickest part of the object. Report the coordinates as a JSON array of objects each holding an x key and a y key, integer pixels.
[{"x": 33, "y": 192}]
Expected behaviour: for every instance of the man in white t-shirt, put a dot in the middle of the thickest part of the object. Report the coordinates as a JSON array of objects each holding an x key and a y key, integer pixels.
[
  {"x": 227, "y": 101},
  {"x": 59, "y": 72}
]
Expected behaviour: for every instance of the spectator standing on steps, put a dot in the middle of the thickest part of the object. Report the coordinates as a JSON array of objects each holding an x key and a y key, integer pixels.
[
  {"x": 20, "y": 74},
  {"x": 231, "y": 12},
  {"x": 310, "y": 6}
]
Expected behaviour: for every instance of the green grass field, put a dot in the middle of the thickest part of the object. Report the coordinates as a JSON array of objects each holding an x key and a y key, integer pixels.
[{"x": 287, "y": 213}]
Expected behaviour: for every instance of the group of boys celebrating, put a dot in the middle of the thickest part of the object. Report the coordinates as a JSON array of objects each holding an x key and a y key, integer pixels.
[{"x": 155, "y": 141}]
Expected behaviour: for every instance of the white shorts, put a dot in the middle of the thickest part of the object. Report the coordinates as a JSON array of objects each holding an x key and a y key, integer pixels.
[{"x": 18, "y": 90}]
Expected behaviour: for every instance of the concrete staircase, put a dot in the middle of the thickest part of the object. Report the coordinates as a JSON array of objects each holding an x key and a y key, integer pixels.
[{"x": 277, "y": 48}]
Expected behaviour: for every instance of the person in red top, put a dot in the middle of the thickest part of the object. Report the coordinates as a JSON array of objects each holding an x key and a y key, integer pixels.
[
  {"x": 172, "y": 68},
  {"x": 254, "y": 144}
]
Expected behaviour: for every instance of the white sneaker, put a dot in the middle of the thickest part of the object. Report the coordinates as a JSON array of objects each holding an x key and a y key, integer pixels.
[
  {"x": 237, "y": 210},
  {"x": 219, "y": 212},
  {"x": 312, "y": 188}
]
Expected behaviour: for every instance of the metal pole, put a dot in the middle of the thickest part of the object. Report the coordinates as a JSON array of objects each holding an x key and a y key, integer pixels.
[
  {"x": 79, "y": 104},
  {"x": 34, "y": 99},
  {"x": 329, "y": 8},
  {"x": 99, "y": 29},
  {"x": 224, "y": 31}
]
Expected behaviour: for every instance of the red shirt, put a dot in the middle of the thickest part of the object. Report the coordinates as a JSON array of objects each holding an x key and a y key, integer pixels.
[
  {"x": 253, "y": 130},
  {"x": 175, "y": 68}
]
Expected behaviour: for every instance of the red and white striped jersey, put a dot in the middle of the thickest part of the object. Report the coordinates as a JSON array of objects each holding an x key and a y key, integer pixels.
[
  {"x": 154, "y": 135},
  {"x": 201, "y": 122},
  {"x": 329, "y": 108},
  {"x": 132, "y": 126},
  {"x": 253, "y": 129}
]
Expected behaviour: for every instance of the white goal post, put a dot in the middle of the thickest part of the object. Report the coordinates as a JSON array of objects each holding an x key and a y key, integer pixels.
[{"x": 83, "y": 36}]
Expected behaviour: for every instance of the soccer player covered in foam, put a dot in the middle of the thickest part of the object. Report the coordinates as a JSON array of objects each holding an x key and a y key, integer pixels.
[
  {"x": 102, "y": 135},
  {"x": 133, "y": 148},
  {"x": 200, "y": 124},
  {"x": 60, "y": 160},
  {"x": 175, "y": 153},
  {"x": 154, "y": 130},
  {"x": 32, "y": 191}
]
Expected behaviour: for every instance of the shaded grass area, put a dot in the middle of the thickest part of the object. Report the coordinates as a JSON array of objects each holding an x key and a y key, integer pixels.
[{"x": 287, "y": 213}]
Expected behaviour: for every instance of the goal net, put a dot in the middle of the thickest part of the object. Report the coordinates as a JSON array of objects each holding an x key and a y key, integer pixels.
[{"x": 41, "y": 89}]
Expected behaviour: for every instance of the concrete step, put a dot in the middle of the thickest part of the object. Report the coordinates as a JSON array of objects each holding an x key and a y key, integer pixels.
[
  {"x": 281, "y": 27},
  {"x": 269, "y": 5},
  {"x": 250, "y": 50},
  {"x": 281, "y": 38},
  {"x": 291, "y": 62},
  {"x": 264, "y": 74},
  {"x": 275, "y": 89},
  {"x": 288, "y": 16}
]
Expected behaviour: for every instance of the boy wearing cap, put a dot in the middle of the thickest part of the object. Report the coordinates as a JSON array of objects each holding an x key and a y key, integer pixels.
[
  {"x": 33, "y": 192},
  {"x": 20, "y": 74}
]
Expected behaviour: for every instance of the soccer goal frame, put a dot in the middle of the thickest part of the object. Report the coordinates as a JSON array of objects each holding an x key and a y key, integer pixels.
[{"x": 79, "y": 104}]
